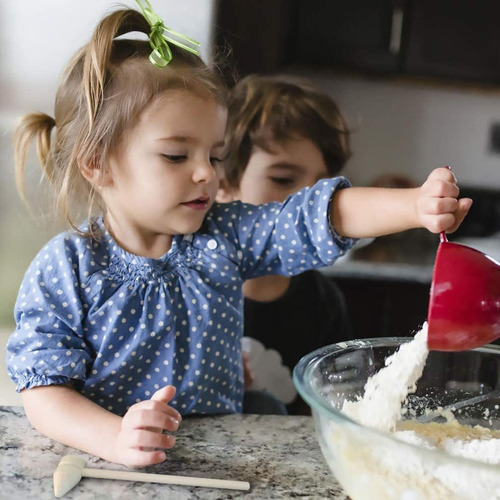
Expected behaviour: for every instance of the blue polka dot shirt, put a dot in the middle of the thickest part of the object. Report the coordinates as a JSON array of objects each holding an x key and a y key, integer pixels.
[{"x": 118, "y": 326}]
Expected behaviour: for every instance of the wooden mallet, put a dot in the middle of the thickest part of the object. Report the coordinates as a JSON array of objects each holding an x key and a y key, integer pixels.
[{"x": 72, "y": 468}]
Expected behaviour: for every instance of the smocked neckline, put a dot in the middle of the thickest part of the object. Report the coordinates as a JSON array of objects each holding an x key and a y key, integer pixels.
[{"x": 118, "y": 253}]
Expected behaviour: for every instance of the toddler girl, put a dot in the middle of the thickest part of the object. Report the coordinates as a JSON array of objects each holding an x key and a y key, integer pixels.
[{"x": 135, "y": 316}]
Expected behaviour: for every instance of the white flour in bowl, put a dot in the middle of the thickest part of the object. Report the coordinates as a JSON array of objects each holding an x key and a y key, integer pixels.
[
  {"x": 385, "y": 470},
  {"x": 385, "y": 392}
]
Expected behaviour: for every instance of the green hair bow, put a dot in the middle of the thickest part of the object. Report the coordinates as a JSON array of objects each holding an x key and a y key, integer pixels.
[{"x": 160, "y": 35}]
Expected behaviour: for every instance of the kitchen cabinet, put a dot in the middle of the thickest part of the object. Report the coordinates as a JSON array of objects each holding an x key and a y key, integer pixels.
[
  {"x": 451, "y": 39},
  {"x": 359, "y": 34},
  {"x": 426, "y": 38},
  {"x": 256, "y": 32},
  {"x": 384, "y": 307}
]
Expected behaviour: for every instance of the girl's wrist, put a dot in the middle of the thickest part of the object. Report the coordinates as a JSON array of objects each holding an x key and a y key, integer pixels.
[
  {"x": 416, "y": 215},
  {"x": 110, "y": 447}
]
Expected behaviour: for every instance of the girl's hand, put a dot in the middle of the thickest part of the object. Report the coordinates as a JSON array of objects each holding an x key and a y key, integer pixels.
[
  {"x": 141, "y": 432},
  {"x": 438, "y": 208}
]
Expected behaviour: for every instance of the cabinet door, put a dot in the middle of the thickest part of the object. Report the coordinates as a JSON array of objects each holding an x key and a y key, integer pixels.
[
  {"x": 257, "y": 32},
  {"x": 358, "y": 34},
  {"x": 452, "y": 39}
]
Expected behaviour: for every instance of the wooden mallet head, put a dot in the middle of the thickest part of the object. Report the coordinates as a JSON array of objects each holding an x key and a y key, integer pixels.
[{"x": 68, "y": 474}]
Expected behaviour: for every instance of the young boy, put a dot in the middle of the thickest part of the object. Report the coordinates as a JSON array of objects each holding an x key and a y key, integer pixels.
[{"x": 284, "y": 135}]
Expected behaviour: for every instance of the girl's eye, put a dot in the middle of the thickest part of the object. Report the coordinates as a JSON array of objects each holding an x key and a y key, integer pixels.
[
  {"x": 174, "y": 158},
  {"x": 282, "y": 181}
]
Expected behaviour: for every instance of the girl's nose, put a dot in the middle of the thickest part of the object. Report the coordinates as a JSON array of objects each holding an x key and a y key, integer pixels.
[{"x": 204, "y": 172}]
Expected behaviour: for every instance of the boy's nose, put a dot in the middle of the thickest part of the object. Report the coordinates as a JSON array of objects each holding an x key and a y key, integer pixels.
[{"x": 204, "y": 172}]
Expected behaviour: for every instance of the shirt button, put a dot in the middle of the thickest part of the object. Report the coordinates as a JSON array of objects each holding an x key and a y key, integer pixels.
[{"x": 212, "y": 244}]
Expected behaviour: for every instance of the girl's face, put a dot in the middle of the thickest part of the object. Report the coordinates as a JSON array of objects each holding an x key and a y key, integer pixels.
[
  {"x": 272, "y": 176},
  {"x": 162, "y": 177}
]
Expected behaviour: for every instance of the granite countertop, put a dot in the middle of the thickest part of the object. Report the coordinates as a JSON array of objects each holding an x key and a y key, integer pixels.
[{"x": 278, "y": 455}]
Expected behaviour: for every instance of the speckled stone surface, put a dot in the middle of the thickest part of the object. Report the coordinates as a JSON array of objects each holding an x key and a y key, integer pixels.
[{"x": 279, "y": 456}]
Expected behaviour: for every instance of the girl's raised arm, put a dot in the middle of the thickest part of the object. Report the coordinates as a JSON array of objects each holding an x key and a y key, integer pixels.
[{"x": 370, "y": 212}]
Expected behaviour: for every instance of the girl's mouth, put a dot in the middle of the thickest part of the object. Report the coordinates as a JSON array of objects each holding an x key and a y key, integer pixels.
[{"x": 200, "y": 203}]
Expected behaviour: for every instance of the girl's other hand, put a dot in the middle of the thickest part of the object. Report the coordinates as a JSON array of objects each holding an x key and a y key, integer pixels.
[
  {"x": 141, "y": 441},
  {"x": 438, "y": 208}
]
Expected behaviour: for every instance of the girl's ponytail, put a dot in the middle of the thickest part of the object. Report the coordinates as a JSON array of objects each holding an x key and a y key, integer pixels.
[
  {"x": 33, "y": 126},
  {"x": 98, "y": 53}
]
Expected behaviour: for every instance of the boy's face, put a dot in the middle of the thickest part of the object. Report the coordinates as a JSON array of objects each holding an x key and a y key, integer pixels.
[{"x": 287, "y": 167}]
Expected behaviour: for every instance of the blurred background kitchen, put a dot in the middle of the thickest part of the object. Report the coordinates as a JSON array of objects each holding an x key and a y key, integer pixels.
[{"x": 418, "y": 82}]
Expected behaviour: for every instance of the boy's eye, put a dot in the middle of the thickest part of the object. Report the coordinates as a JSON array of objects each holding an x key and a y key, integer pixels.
[
  {"x": 174, "y": 158},
  {"x": 282, "y": 181},
  {"x": 214, "y": 161}
]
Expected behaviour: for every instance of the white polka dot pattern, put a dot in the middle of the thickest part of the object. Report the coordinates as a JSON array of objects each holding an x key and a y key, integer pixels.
[{"x": 120, "y": 326}]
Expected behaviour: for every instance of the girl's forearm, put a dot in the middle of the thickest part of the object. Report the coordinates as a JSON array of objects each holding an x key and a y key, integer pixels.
[
  {"x": 66, "y": 416},
  {"x": 362, "y": 212}
]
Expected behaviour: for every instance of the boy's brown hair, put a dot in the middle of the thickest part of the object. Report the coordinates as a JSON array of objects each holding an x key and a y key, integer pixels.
[{"x": 263, "y": 108}]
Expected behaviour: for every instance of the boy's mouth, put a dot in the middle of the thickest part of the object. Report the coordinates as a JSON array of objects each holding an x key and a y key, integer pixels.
[{"x": 200, "y": 203}]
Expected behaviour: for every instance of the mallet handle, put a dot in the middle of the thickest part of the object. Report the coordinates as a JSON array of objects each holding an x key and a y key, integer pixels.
[{"x": 165, "y": 479}]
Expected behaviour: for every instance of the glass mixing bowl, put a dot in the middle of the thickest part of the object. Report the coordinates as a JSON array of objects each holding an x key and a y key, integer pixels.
[{"x": 372, "y": 464}]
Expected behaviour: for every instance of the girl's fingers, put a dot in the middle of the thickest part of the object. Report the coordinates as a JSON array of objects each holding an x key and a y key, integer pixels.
[
  {"x": 150, "y": 404},
  {"x": 151, "y": 419},
  {"x": 438, "y": 223},
  {"x": 139, "y": 458},
  {"x": 165, "y": 394},
  {"x": 153, "y": 405},
  {"x": 142, "y": 438},
  {"x": 442, "y": 173},
  {"x": 441, "y": 189},
  {"x": 438, "y": 206},
  {"x": 449, "y": 221},
  {"x": 463, "y": 209}
]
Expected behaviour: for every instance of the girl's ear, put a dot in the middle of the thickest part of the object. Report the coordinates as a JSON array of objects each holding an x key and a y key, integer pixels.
[
  {"x": 95, "y": 175},
  {"x": 225, "y": 193}
]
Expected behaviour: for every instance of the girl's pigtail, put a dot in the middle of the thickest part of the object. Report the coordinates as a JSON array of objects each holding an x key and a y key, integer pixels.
[
  {"x": 99, "y": 51},
  {"x": 33, "y": 126}
]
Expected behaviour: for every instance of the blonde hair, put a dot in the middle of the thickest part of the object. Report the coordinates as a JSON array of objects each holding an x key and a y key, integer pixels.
[
  {"x": 105, "y": 87},
  {"x": 263, "y": 108}
]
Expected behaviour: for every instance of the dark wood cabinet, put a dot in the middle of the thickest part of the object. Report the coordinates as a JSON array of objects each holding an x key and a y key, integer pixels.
[
  {"x": 429, "y": 38},
  {"x": 451, "y": 39},
  {"x": 257, "y": 33},
  {"x": 358, "y": 34}
]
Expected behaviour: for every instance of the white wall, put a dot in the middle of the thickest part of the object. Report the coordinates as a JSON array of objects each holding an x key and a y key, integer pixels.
[
  {"x": 37, "y": 38},
  {"x": 411, "y": 128}
]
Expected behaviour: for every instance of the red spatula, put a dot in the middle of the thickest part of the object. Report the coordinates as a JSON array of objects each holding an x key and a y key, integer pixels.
[{"x": 464, "y": 306}]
